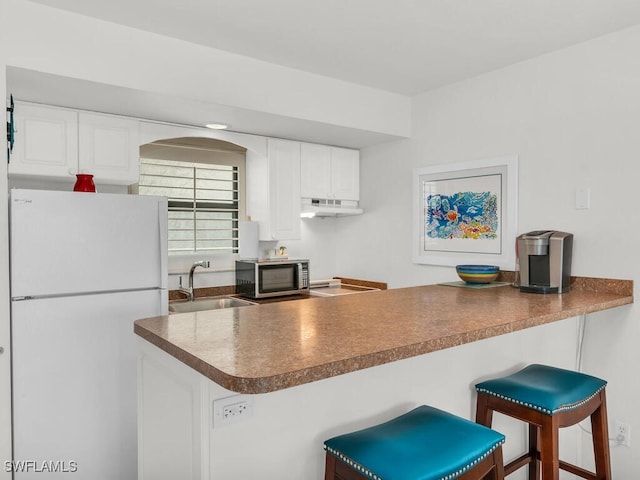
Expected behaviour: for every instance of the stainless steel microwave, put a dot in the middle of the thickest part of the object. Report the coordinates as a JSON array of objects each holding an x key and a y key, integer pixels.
[{"x": 271, "y": 278}]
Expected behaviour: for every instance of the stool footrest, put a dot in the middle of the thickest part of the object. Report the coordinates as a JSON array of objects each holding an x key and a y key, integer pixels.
[
  {"x": 518, "y": 463},
  {"x": 581, "y": 472},
  {"x": 527, "y": 458}
]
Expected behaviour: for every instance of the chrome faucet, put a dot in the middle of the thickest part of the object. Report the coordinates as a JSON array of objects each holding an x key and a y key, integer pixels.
[{"x": 189, "y": 290}]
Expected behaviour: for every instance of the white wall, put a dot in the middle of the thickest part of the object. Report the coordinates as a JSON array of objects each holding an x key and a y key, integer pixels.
[
  {"x": 573, "y": 118},
  {"x": 53, "y": 41},
  {"x": 5, "y": 366}
]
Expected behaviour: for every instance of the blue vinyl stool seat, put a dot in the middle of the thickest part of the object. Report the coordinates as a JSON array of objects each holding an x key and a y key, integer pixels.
[
  {"x": 423, "y": 444},
  {"x": 549, "y": 398}
]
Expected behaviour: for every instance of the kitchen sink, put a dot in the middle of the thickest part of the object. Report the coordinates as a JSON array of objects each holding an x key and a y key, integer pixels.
[{"x": 208, "y": 303}]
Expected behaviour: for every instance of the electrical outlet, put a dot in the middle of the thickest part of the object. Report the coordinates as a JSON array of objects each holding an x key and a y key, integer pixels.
[
  {"x": 232, "y": 409},
  {"x": 622, "y": 433}
]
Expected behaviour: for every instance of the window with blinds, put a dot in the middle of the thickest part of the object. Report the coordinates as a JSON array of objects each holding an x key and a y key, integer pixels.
[{"x": 204, "y": 196}]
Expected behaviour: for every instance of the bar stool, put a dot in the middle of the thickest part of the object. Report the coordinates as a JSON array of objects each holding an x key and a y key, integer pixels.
[
  {"x": 548, "y": 399},
  {"x": 423, "y": 444}
]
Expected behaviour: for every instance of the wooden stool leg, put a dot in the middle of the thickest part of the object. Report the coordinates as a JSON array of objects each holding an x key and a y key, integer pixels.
[
  {"x": 549, "y": 451},
  {"x": 484, "y": 415},
  {"x": 498, "y": 471},
  {"x": 330, "y": 467},
  {"x": 601, "y": 440},
  {"x": 534, "y": 452}
]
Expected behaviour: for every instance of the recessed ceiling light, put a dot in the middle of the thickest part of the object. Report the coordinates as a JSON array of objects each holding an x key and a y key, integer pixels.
[{"x": 217, "y": 126}]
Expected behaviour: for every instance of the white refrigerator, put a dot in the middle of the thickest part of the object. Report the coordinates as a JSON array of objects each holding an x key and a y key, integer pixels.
[{"x": 84, "y": 266}]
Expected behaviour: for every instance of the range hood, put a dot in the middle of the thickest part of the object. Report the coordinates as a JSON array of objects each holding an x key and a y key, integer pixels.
[{"x": 314, "y": 207}]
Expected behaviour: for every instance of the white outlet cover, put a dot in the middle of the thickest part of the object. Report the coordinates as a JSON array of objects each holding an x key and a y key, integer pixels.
[
  {"x": 220, "y": 404},
  {"x": 623, "y": 427}
]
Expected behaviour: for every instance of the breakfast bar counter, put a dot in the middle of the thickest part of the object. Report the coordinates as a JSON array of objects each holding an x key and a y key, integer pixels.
[{"x": 270, "y": 347}]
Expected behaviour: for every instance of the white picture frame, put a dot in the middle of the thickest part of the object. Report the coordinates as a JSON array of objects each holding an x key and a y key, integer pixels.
[{"x": 466, "y": 213}]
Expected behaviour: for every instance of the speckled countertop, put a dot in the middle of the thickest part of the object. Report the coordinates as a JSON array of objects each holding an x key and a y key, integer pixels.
[{"x": 270, "y": 347}]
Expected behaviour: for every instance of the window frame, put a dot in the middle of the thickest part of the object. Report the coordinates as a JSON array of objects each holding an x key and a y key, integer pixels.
[{"x": 201, "y": 150}]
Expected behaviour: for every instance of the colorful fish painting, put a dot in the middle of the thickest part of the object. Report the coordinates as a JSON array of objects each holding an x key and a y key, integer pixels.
[{"x": 463, "y": 215}]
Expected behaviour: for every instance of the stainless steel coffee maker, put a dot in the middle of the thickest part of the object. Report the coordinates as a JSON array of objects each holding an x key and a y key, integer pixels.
[{"x": 544, "y": 257}]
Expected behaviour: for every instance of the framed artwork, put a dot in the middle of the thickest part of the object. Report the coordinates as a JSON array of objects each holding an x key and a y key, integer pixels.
[{"x": 466, "y": 213}]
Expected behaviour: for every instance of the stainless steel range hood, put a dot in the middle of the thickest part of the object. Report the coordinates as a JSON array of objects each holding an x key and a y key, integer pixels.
[{"x": 312, "y": 207}]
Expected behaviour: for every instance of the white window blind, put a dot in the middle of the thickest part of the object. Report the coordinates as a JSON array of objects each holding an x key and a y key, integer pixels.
[{"x": 204, "y": 202}]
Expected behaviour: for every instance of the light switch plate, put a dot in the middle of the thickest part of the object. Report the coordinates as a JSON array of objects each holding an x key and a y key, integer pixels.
[{"x": 583, "y": 198}]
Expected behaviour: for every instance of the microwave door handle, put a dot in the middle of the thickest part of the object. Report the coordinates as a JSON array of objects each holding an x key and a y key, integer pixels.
[{"x": 300, "y": 276}]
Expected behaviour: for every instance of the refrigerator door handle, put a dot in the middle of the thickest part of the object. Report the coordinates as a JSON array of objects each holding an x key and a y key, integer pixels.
[{"x": 162, "y": 238}]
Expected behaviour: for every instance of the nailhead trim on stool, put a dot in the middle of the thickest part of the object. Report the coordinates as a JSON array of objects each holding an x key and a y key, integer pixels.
[{"x": 423, "y": 444}]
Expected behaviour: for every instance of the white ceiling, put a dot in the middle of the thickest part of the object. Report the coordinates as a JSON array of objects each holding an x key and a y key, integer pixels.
[{"x": 402, "y": 46}]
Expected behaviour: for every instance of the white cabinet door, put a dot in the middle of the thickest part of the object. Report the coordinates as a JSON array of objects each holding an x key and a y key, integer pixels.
[
  {"x": 273, "y": 190},
  {"x": 315, "y": 171},
  {"x": 345, "y": 173},
  {"x": 284, "y": 189},
  {"x": 46, "y": 141},
  {"x": 109, "y": 148},
  {"x": 329, "y": 172},
  {"x": 174, "y": 418}
]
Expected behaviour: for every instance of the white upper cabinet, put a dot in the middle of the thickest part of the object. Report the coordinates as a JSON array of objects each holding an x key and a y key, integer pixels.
[
  {"x": 315, "y": 171},
  {"x": 54, "y": 142},
  {"x": 273, "y": 190},
  {"x": 329, "y": 172},
  {"x": 345, "y": 173},
  {"x": 109, "y": 147},
  {"x": 284, "y": 195},
  {"x": 46, "y": 141}
]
